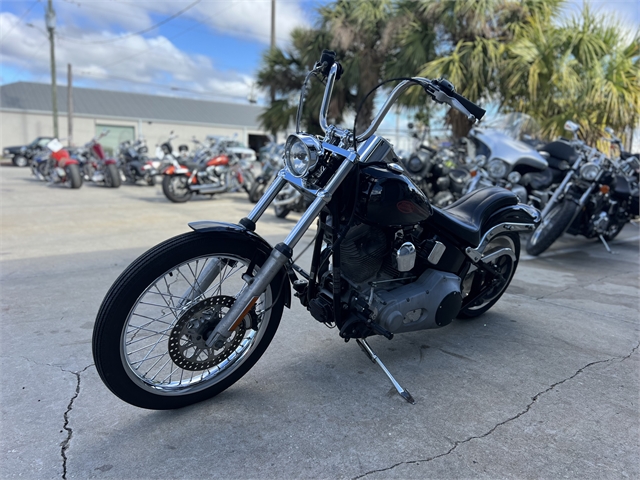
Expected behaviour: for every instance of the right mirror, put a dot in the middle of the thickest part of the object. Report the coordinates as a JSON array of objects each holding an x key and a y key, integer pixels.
[{"x": 571, "y": 126}]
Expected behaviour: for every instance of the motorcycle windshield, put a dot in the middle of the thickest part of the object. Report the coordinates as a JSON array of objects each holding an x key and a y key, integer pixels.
[{"x": 517, "y": 126}]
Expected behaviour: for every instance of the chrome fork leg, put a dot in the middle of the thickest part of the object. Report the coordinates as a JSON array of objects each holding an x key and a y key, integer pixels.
[{"x": 374, "y": 358}]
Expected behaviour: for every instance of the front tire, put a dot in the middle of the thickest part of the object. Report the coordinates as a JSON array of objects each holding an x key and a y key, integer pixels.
[
  {"x": 552, "y": 227},
  {"x": 147, "y": 341},
  {"x": 73, "y": 173},
  {"x": 176, "y": 188}
]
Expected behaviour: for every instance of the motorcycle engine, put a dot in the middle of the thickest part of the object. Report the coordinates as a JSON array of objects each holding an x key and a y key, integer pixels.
[{"x": 430, "y": 301}]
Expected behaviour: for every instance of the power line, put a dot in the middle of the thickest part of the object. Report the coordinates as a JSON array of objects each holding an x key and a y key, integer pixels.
[
  {"x": 140, "y": 32},
  {"x": 20, "y": 20}
]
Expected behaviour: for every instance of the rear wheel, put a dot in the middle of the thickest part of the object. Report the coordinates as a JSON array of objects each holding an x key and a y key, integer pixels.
[
  {"x": 73, "y": 173},
  {"x": 257, "y": 190},
  {"x": 281, "y": 211},
  {"x": 552, "y": 227},
  {"x": 176, "y": 188},
  {"x": 480, "y": 290},
  {"x": 112, "y": 176},
  {"x": 149, "y": 336}
]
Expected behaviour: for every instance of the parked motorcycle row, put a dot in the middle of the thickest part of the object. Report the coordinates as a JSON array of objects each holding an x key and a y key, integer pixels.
[
  {"x": 214, "y": 166},
  {"x": 578, "y": 189}
]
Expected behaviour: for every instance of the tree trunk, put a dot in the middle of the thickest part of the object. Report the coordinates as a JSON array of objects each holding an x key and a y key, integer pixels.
[{"x": 459, "y": 124}]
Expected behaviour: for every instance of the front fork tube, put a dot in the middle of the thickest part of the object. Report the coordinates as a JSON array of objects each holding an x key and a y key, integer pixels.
[{"x": 280, "y": 255}]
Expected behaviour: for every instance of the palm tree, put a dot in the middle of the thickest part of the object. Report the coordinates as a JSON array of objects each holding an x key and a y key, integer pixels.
[
  {"x": 584, "y": 70},
  {"x": 362, "y": 32}
]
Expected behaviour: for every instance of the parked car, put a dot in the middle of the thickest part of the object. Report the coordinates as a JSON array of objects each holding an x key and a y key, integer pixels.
[{"x": 22, "y": 155}]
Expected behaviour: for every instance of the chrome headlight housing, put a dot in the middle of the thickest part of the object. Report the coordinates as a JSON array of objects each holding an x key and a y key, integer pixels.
[
  {"x": 497, "y": 168},
  {"x": 301, "y": 154},
  {"x": 589, "y": 171}
]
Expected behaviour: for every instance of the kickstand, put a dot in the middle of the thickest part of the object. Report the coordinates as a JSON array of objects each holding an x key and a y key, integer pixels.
[
  {"x": 606, "y": 245},
  {"x": 374, "y": 358}
]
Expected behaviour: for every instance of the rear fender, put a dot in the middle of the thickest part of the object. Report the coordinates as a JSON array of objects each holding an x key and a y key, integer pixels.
[
  {"x": 230, "y": 232},
  {"x": 515, "y": 218},
  {"x": 110, "y": 161}
]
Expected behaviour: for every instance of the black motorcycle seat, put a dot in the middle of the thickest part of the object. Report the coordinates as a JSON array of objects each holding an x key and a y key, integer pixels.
[
  {"x": 559, "y": 151},
  {"x": 542, "y": 180},
  {"x": 465, "y": 217}
]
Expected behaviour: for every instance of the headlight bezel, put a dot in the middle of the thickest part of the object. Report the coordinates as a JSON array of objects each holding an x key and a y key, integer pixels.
[
  {"x": 313, "y": 149},
  {"x": 589, "y": 171},
  {"x": 497, "y": 168}
]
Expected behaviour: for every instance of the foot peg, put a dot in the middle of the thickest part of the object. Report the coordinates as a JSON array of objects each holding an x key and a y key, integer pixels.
[{"x": 374, "y": 358}]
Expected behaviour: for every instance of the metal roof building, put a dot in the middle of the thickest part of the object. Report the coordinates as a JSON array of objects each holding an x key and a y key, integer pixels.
[{"x": 25, "y": 111}]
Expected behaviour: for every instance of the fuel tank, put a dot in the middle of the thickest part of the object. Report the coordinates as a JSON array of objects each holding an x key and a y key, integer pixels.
[{"x": 388, "y": 197}]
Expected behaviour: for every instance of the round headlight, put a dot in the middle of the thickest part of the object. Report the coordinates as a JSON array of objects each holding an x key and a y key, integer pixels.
[
  {"x": 497, "y": 168},
  {"x": 589, "y": 171},
  {"x": 301, "y": 153},
  {"x": 414, "y": 165},
  {"x": 514, "y": 177}
]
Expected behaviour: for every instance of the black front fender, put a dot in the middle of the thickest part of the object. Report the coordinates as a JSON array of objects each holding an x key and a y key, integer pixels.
[{"x": 230, "y": 232}]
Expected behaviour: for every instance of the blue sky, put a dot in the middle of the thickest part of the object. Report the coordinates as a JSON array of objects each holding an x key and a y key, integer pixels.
[{"x": 212, "y": 51}]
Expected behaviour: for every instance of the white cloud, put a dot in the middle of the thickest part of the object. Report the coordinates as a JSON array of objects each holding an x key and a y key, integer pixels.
[{"x": 135, "y": 63}]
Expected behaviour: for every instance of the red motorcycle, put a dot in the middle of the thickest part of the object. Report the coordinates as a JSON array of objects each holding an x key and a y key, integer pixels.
[
  {"x": 96, "y": 167},
  {"x": 57, "y": 166},
  {"x": 207, "y": 174}
]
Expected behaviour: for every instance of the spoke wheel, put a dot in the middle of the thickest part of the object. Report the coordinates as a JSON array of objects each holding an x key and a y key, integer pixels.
[{"x": 150, "y": 336}]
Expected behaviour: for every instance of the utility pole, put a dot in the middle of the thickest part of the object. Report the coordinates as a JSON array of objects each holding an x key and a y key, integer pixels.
[
  {"x": 69, "y": 105},
  {"x": 50, "y": 19},
  {"x": 273, "y": 24},
  {"x": 273, "y": 41}
]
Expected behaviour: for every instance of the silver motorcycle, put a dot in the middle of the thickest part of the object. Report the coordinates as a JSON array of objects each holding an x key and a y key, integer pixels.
[{"x": 191, "y": 316}]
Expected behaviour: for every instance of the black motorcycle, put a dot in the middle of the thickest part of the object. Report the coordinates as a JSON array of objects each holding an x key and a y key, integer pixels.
[
  {"x": 270, "y": 157},
  {"x": 192, "y": 315},
  {"x": 596, "y": 198},
  {"x": 134, "y": 163}
]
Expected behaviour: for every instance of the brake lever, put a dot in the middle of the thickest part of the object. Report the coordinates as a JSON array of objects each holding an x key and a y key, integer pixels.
[{"x": 440, "y": 97}]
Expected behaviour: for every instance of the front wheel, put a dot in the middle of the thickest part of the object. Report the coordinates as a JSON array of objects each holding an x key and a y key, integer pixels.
[
  {"x": 176, "y": 188},
  {"x": 481, "y": 290},
  {"x": 281, "y": 211},
  {"x": 552, "y": 227},
  {"x": 149, "y": 337}
]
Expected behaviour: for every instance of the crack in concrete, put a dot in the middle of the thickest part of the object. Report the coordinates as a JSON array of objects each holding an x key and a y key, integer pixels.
[
  {"x": 534, "y": 399},
  {"x": 65, "y": 443}
]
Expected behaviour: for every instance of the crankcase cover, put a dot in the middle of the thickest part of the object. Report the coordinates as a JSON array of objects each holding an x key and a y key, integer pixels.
[
  {"x": 390, "y": 199},
  {"x": 432, "y": 301}
]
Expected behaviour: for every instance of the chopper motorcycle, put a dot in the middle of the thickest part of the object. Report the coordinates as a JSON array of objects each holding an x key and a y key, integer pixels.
[
  {"x": 212, "y": 170},
  {"x": 57, "y": 166},
  {"x": 96, "y": 167},
  {"x": 597, "y": 197},
  {"x": 191, "y": 316}
]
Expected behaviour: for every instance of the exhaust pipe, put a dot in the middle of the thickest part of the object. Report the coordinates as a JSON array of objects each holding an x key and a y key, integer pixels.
[{"x": 207, "y": 189}]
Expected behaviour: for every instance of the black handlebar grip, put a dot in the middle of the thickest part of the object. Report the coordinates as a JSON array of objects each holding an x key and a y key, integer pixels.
[{"x": 473, "y": 109}]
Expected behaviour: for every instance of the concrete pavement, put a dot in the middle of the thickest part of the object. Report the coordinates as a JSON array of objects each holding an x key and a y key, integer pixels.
[{"x": 545, "y": 385}]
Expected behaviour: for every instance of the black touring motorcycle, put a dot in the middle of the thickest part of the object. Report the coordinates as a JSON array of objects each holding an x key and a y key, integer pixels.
[{"x": 191, "y": 316}]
